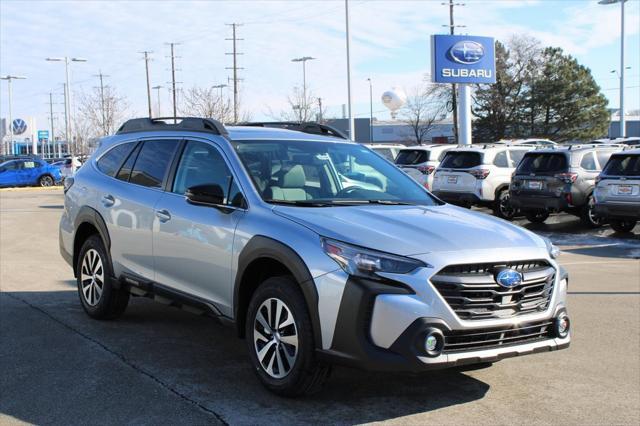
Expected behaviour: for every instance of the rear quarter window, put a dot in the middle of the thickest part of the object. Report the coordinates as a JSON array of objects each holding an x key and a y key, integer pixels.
[
  {"x": 588, "y": 162},
  {"x": 542, "y": 163},
  {"x": 110, "y": 162},
  {"x": 461, "y": 160}
]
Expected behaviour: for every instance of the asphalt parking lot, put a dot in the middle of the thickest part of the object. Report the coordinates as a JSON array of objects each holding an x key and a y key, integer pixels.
[{"x": 159, "y": 365}]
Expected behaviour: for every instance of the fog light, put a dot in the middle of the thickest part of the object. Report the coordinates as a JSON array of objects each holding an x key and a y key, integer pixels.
[
  {"x": 563, "y": 324},
  {"x": 433, "y": 342}
]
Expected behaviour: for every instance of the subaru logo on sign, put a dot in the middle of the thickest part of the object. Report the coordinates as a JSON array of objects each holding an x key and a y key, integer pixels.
[
  {"x": 508, "y": 278},
  {"x": 466, "y": 52},
  {"x": 19, "y": 126}
]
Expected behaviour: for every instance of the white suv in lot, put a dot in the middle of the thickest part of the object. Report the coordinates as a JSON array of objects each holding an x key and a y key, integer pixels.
[
  {"x": 387, "y": 150},
  {"x": 421, "y": 161},
  {"x": 479, "y": 175}
]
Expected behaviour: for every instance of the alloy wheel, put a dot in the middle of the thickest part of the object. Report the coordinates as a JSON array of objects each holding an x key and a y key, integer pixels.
[
  {"x": 506, "y": 209},
  {"x": 92, "y": 277},
  {"x": 596, "y": 220},
  {"x": 46, "y": 181},
  {"x": 275, "y": 338}
]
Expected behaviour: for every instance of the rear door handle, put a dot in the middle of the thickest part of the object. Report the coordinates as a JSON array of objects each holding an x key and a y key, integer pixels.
[
  {"x": 108, "y": 200},
  {"x": 163, "y": 215}
]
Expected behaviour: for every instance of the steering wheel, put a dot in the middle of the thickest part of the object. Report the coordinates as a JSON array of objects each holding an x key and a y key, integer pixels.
[{"x": 346, "y": 192}]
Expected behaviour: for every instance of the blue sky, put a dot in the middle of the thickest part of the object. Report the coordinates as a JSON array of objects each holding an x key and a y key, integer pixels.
[{"x": 390, "y": 45}]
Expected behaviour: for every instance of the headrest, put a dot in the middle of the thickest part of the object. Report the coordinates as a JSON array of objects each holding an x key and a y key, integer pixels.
[{"x": 293, "y": 178}]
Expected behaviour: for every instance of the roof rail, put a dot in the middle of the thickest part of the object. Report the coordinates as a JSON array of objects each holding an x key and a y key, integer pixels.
[
  {"x": 310, "y": 127},
  {"x": 195, "y": 124},
  {"x": 594, "y": 145}
]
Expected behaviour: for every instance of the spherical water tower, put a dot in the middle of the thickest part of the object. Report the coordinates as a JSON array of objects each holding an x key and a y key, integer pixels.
[{"x": 394, "y": 99}]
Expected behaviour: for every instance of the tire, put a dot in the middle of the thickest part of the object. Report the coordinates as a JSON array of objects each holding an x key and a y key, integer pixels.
[
  {"x": 537, "y": 216},
  {"x": 94, "y": 268},
  {"x": 622, "y": 225},
  {"x": 588, "y": 216},
  {"x": 502, "y": 207},
  {"x": 283, "y": 359},
  {"x": 46, "y": 181}
]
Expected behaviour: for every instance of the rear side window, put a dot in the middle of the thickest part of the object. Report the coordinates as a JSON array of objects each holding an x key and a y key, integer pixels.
[
  {"x": 588, "y": 162},
  {"x": 153, "y": 162},
  {"x": 125, "y": 171},
  {"x": 408, "y": 157},
  {"x": 461, "y": 160},
  {"x": 501, "y": 159},
  {"x": 623, "y": 165},
  {"x": 110, "y": 162},
  {"x": 542, "y": 163}
]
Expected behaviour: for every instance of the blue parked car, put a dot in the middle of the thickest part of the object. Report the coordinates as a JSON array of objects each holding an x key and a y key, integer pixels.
[{"x": 28, "y": 171}]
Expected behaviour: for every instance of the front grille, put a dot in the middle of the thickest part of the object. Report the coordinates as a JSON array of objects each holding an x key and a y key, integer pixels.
[
  {"x": 458, "y": 341},
  {"x": 473, "y": 293}
]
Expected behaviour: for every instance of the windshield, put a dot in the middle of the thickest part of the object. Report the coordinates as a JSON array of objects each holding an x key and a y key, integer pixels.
[
  {"x": 461, "y": 160},
  {"x": 326, "y": 174},
  {"x": 542, "y": 163},
  {"x": 408, "y": 157},
  {"x": 623, "y": 165}
]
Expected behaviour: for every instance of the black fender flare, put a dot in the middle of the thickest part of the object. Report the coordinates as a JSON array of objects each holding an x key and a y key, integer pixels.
[
  {"x": 264, "y": 247},
  {"x": 91, "y": 216}
]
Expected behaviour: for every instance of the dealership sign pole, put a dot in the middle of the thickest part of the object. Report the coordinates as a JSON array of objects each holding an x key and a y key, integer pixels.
[{"x": 463, "y": 60}]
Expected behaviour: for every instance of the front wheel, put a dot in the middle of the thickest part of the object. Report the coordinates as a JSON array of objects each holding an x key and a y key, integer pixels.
[
  {"x": 537, "y": 216},
  {"x": 45, "y": 181},
  {"x": 280, "y": 339},
  {"x": 588, "y": 215},
  {"x": 502, "y": 207},
  {"x": 623, "y": 225}
]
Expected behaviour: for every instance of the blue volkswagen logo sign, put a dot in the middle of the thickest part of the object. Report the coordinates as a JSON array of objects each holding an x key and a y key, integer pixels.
[
  {"x": 466, "y": 52},
  {"x": 508, "y": 278},
  {"x": 19, "y": 126}
]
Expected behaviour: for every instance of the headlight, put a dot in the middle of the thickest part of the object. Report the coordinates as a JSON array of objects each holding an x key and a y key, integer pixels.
[
  {"x": 554, "y": 251},
  {"x": 366, "y": 263}
]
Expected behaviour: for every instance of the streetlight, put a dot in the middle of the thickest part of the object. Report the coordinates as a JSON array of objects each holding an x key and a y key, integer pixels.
[
  {"x": 623, "y": 130},
  {"x": 9, "y": 79},
  {"x": 157, "y": 89},
  {"x": 370, "y": 111},
  {"x": 304, "y": 60},
  {"x": 67, "y": 93},
  {"x": 219, "y": 86}
]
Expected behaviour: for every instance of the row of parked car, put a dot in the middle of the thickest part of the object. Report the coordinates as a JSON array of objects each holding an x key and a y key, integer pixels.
[
  {"x": 31, "y": 170},
  {"x": 598, "y": 182}
]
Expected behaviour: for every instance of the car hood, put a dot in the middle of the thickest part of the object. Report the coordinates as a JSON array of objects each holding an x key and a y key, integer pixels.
[{"x": 411, "y": 230}]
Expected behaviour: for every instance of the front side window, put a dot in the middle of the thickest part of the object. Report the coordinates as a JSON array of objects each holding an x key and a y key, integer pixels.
[
  {"x": 325, "y": 174},
  {"x": 201, "y": 164},
  {"x": 110, "y": 162},
  {"x": 153, "y": 163}
]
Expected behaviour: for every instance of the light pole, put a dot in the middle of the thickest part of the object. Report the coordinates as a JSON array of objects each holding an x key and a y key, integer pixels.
[
  {"x": 623, "y": 130},
  {"x": 304, "y": 60},
  {"x": 69, "y": 118},
  {"x": 352, "y": 127},
  {"x": 9, "y": 79},
  {"x": 219, "y": 86},
  {"x": 157, "y": 89},
  {"x": 370, "y": 111}
]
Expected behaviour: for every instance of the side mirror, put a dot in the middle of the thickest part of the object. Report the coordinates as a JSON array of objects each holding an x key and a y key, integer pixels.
[{"x": 207, "y": 195}]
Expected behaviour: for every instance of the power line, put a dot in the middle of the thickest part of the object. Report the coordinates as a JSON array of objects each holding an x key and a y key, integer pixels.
[{"x": 235, "y": 69}]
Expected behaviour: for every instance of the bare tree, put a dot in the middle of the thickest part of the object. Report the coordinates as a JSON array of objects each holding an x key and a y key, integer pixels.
[
  {"x": 100, "y": 114},
  {"x": 426, "y": 105},
  {"x": 208, "y": 103},
  {"x": 300, "y": 109}
]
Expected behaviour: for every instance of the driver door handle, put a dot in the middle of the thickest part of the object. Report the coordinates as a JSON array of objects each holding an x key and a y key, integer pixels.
[
  {"x": 163, "y": 215},
  {"x": 108, "y": 200}
]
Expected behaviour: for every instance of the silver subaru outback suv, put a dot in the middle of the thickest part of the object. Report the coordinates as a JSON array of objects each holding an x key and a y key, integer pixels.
[{"x": 317, "y": 250}]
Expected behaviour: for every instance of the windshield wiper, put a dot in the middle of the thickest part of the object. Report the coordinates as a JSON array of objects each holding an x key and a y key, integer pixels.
[{"x": 302, "y": 203}]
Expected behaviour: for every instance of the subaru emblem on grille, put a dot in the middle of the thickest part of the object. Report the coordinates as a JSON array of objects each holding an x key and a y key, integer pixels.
[{"x": 508, "y": 278}]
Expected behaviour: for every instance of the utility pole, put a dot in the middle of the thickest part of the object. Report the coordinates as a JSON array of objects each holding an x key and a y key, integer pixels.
[
  {"x": 352, "y": 126},
  {"x": 9, "y": 79},
  {"x": 370, "y": 110},
  {"x": 104, "y": 116},
  {"x": 320, "y": 110},
  {"x": 146, "y": 66},
  {"x": 157, "y": 89},
  {"x": 53, "y": 135},
  {"x": 304, "y": 60},
  {"x": 235, "y": 69},
  {"x": 454, "y": 91},
  {"x": 173, "y": 82}
]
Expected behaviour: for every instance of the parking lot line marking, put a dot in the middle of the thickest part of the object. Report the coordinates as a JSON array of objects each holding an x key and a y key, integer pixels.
[{"x": 598, "y": 262}]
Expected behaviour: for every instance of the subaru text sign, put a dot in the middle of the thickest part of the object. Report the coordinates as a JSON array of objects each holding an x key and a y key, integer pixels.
[{"x": 463, "y": 59}]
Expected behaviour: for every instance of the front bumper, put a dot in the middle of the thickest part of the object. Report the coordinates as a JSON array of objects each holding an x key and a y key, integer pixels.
[
  {"x": 618, "y": 210},
  {"x": 371, "y": 311}
]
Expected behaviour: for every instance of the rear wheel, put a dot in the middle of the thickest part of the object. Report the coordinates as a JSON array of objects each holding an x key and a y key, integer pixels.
[
  {"x": 588, "y": 215},
  {"x": 99, "y": 298},
  {"x": 537, "y": 216},
  {"x": 622, "y": 225},
  {"x": 502, "y": 207},
  {"x": 45, "y": 181},
  {"x": 280, "y": 339}
]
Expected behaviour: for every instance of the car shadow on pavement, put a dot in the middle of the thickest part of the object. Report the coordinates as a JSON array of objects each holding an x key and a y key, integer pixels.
[{"x": 157, "y": 350}]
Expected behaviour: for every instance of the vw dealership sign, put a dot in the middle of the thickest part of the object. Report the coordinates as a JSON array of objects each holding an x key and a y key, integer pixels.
[{"x": 463, "y": 59}]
